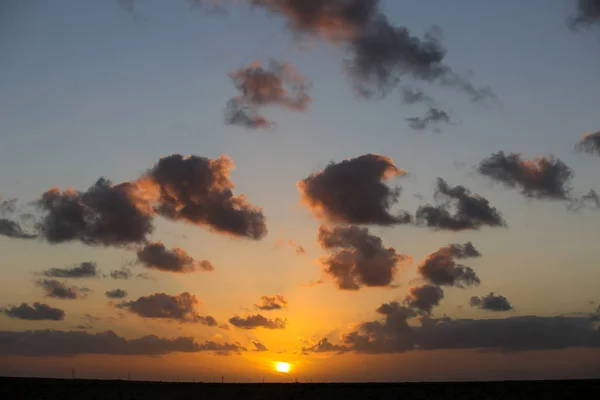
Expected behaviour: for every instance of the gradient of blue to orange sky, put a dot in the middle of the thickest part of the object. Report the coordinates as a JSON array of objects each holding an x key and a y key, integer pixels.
[{"x": 92, "y": 89}]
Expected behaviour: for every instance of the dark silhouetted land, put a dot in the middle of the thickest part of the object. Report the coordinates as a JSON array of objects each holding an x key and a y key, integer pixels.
[{"x": 80, "y": 389}]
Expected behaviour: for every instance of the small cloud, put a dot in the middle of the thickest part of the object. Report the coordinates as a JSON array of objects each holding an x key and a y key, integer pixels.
[
  {"x": 589, "y": 143},
  {"x": 491, "y": 302},
  {"x": 116, "y": 294},
  {"x": 300, "y": 250},
  {"x": 39, "y": 312},
  {"x": 259, "y": 346},
  {"x": 60, "y": 290},
  {"x": 424, "y": 298},
  {"x": 155, "y": 255},
  {"x": 269, "y": 303},
  {"x": 87, "y": 269},
  {"x": 440, "y": 267},
  {"x": 434, "y": 116},
  {"x": 257, "y": 321}
]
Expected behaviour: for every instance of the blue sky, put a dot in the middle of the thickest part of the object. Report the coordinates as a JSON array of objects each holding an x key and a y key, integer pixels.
[{"x": 89, "y": 90}]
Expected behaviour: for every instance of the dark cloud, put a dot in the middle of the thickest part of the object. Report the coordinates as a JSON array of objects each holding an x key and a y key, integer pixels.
[
  {"x": 156, "y": 255},
  {"x": 414, "y": 96},
  {"x": 396, "y": 335},
  {"x": 424, "y": 298},
  {"x": 470, "y": 211},
  {"x": 105, "y": 214},
  {"x": 358, "y": 258},
  {"x": 60, "y": 290},
  {"x": 257, "y": 321},
  {"x": 87, "y": 269},
  {"x": 123, "y": 273},
  {"x": 13, "y": 229},
  {"x": 181, "y": 308},
  {"x": 325, "y": 346},
  {"x": 588, "y": 14},
  {"x": 353, "y": 191},
  {"x": 542, "y": 178},
  {"x": 440, "y": 267},
  {"x": 277, "y": 84},
  {"x": 491, "y": 302},
  {"x": 589, "y": 200},
  {"x": 434, "y": 116},
  {"x": 61, "y": 343},
  {"x": 259, "y": 346},
  {"x": 381, "y": 54},
  {"x": 116, "y": 293},
  {"x": 39, "y": 312},
  {"x": 275, "y": 302},
  {"x": 589, "y": 143},
  {"x": 198, "y": 190}
]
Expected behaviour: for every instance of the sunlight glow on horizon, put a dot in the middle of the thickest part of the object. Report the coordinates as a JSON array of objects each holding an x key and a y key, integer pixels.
[{"x": 282, "y": 367}]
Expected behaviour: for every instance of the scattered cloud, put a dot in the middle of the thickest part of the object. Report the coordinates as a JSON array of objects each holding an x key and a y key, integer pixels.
[
  {"x": 300, "y": 250},
  {"x": 542, "y": 178},
  {"x": 440, "y": 267},
  {"x": 86, "y": 269},
  {"x": 123, "y": 273},
  {"x": 353, "y": 191},
  {"x": 39, "y": 312},
  {"x": 60, "y": 290},
  {"x": 156, "y": 255},
  {"x": 276, "y": 84},
  {"x": 116, "y": 294},
  {"x": 325, "y": 346},
  {"x": 257, "y": 321},
  {"x": 181, "y": 308},
  {"x": 13, "y": 229},
  {"x": 589, "y": 200},
  {"x": 269, "y": 303},
  {"x": 471, "y": 211},
  {"x": 589, "y": 143},
  {"x": 358, "y": 258},
  {"x": 259, "y": 346},
  {"x": 381, "y": 54},
  {"x": 424, "y": 298},
  {"x": 414, "y": 96},
  {"x": 491, "y": 302},
  {"x": 395, "y": 335},
  {"x": 198, "y": 190},
  {"x": 434, "y": 116},
  {"x": 64, "y": 343}
]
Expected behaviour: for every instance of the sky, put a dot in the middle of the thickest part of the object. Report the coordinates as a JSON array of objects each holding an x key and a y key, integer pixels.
[{"x": 367, "y": 190}]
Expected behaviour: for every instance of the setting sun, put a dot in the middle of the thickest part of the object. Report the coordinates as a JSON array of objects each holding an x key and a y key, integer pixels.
[{"x": 283, "y": 367}]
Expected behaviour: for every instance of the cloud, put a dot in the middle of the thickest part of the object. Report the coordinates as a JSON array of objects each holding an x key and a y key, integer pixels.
[
  {"x": 471, "y": 211},
  {"x": 86, "y": 269},
  {"x": 259, "y": 346},
  {"x": 353, "y": 191},
  {"x": 60, "y": 290},
  {"x": 277, "y": 84},
  {"x": 13, "y": 229},
  {"x": 542, "y": 178},
  {"x": 123, "y": 273},
  {"x": 526, "y": 333},
  {"x": 358, "y": 258},
  {"x": 434, "y": 116},
  {"x": 380, "y": 53},
  {"x": 414, "y": 96},
  {"x": 269, "y": 303},
  {"x": 588, "y": 14},
  {"x": 198, "y": 190},
  {"x": 325, "y": 346},
  {"x": 156, "y": 255},
  {"x": 298, "y": 247},
  {"x": 491, "y": 302},
  {"x": 589, "y": 143},
  {"x": 589, "y": 200},
  {"x": 181, "y": 308},
  {"x": 424, "y": 298},
  {"x": 116, "y": 293},
  {"x": 105, "y": 214},
  {"x": 257, "y": 321},
  {"x": 440, "y": 267},
  {"x": 39, "y": 312},
  {"x": 64, "y": 343}
]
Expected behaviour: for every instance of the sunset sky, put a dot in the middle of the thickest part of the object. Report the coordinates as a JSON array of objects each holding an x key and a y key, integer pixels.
[{"x": 253, "y": 213}]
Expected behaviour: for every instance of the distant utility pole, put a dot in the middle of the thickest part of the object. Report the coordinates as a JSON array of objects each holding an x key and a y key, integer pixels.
[
  {"x": 129, "y": 376},
  {"x": 222, "y": 378},
  {"x": 73, "y": 373}
]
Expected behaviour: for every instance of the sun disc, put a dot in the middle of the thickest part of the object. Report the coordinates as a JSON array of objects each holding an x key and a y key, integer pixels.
[{"x": 282, "y": 367}]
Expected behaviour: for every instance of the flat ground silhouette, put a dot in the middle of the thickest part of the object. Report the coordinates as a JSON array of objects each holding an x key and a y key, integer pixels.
[{"x": 81, "y": 389}]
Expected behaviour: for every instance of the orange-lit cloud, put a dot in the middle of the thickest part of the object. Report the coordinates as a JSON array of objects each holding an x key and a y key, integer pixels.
[
  {"x": 156, "y": 255},
  {"x": 269, "y": 303}
]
